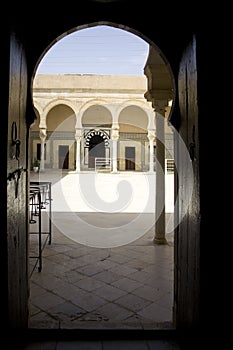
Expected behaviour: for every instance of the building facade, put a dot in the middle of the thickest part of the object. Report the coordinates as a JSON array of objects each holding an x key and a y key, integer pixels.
[{"x": 93, "y": 122}]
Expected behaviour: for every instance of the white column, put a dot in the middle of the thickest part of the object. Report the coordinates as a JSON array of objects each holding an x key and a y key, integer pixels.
[
  {"x": 42, "y": 155},
  {"x": 160, "y": 227},
  {"x": 114, "y": 138},
  {"x": 151, "y": 137},
  {"x": 78, "y": 138}
]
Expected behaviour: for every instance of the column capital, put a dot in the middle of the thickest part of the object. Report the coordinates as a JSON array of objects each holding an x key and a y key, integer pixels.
[
  {"x": 115, "y": 134},
  {"x": 115, "y": 126},
  {"x": 151, "y": 134},
  {"x": 78, "y": 134},
  {"x": 43, "y": 134},
  {"x": 160, "y": 106},
  {"x": 78, "y": 138}
]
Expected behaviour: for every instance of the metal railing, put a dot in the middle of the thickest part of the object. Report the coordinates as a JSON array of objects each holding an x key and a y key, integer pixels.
[
  {"x": 103, "y": 164},
  {"x": 169, "y": 166}
]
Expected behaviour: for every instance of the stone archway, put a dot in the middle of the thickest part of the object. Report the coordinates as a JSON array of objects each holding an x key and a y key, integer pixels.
[
  {"x": 184, "y": 303},
  {"x": 96, "y": 150}
]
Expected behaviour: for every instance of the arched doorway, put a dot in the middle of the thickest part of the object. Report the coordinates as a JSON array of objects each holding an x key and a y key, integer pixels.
[
  {"x": 104, "y": 278},
  {"x": 96, "y": 124},
  {"x": 133, "y": 129},
  {"x": 96, "y": 149},
  {"x": 190, "y": 297}
]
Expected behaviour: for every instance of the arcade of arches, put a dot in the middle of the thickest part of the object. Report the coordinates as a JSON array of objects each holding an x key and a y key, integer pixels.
[{"x": 85, "y": 118}]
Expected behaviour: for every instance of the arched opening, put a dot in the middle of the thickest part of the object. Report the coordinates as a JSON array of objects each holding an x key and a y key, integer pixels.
[
  {"x": 117, "y": 283},
  {"x": 54, "y": 130},
  {"x": 133, "y": 129},
  {"x": 96, "y": 149},
  {"x": 96, "y": 125}
]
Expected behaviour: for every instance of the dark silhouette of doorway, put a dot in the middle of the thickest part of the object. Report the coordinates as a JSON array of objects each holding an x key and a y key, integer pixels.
[
  {"x": 129, "y": 158},
  {"x": 96, "y": 150},
  {"x": 63, "y": 157}
]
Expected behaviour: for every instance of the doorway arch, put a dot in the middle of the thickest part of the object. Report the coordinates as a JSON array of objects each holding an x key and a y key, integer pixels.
[
  {"x": 96, "y": 141},
  {"x": 178, "y": 50},
  {"x": 96, "y": 149}
]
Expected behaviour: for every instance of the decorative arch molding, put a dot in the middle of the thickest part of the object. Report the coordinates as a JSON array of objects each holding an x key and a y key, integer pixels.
[
  {"x": 38, "y": 108},
  {"x": 56, "y": 103},
  {"x": 143, "y": 106},
  {"x": 95, "y": 102},
  {"x": 50, "y": 106},
  {"x": 134, "y": 103},
  {"x": 97, "y": 132}
]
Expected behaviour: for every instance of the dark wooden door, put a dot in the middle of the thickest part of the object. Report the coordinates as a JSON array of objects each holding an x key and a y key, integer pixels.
[
  {"x": 129, "y": 158},
  {"x": 63, "y": 157},
  {"x": 187, "y": 213},
  {"x": 96, "y": 150},
  {"x": 15, "y": 240}
]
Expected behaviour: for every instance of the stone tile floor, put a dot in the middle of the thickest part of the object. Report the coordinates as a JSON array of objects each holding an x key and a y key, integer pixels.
[{"x": 127, "y": 287}]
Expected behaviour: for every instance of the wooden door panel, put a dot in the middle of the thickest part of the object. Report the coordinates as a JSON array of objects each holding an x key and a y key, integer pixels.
[
  {"x": 188, "y": 216},
  {"x": 17, "y": 184},
  {"x": 63, "y": 157},
  {"x": 129, "y": 158}
]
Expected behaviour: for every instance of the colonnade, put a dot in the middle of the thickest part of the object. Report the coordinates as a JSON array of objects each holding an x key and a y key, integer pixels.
[
  {"x": 114, "y": 144},
  {"x": 115, "y": 129}
]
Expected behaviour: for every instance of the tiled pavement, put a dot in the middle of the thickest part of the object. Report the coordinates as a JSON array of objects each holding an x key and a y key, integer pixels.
[{"x": 130, "y": 286}]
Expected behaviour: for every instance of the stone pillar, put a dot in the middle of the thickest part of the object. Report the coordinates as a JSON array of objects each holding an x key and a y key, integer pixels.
[
  {"x": 151, "y": 137},
  {"x": 42, "y": 155},
  {"x": 114, "y": 138},
  {"x": 160, "y": 226},
  {"x": 78, "y": 138}
]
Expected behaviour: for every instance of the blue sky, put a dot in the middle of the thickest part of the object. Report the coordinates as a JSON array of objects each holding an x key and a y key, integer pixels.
[{"x": 96, "y": 50}]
